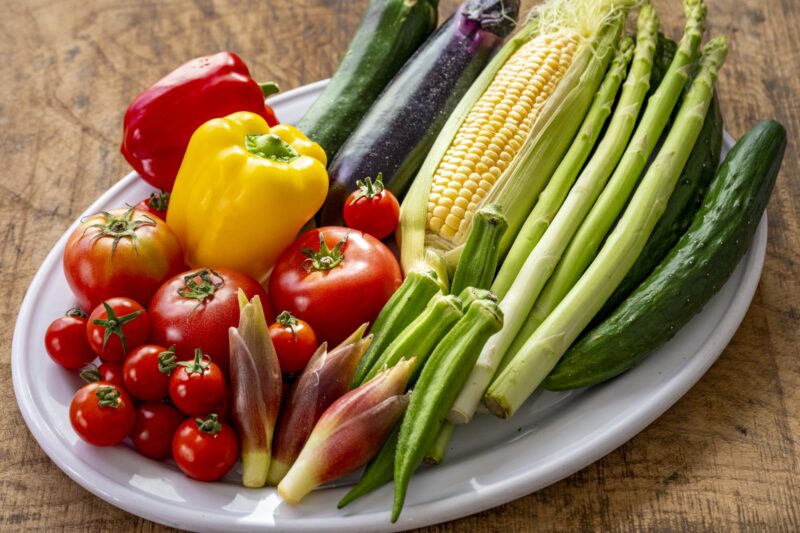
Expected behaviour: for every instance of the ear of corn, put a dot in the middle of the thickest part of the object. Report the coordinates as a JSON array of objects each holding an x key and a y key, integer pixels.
[
  {"x": 508, "y": 133},
  {"x": 494, "y": 131},
  {"x": 567, "y": 172}
]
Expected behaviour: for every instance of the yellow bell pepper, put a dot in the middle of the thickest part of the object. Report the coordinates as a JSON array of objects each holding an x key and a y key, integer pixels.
[{"x": 244, "y": 191}]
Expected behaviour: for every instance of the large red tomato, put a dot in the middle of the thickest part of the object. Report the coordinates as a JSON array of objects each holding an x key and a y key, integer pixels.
[
  {"x": 335, "y": 279},
  {"x": 124, "y": 252},
  {"x": 196, "y": 308}
]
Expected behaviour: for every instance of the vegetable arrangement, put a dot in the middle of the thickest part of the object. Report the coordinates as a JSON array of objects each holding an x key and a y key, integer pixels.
[{"x": 562, "y": 217}]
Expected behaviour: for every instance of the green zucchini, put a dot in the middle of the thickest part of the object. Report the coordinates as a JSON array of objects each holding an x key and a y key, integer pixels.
[
  {"x": 390, "y": 32},
  {"x": 683, "y": 204},
  {"x": 694, "y": 270}
]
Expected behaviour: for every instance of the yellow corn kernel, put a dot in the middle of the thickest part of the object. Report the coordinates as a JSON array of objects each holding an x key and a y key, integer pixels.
[{"x": 494, "y": 131}]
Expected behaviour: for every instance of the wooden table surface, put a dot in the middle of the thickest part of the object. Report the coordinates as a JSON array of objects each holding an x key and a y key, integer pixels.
[{"x": 724, "y": 458}]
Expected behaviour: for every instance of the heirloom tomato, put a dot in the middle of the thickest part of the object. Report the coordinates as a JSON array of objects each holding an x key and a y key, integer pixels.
[{"x": 124, "y": 252}]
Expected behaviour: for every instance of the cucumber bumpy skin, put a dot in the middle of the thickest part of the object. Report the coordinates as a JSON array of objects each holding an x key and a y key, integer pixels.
[{"x": 695, "y": 269}]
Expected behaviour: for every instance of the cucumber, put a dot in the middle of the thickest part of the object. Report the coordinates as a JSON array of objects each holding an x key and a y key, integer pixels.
[
  {"x": 683, "y": 204},
  {"x": 694, "y": 270},
  {"x": 390, "y": 31}
]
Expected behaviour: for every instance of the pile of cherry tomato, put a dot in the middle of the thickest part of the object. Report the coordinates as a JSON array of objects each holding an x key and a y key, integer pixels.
[
  {"x": 169, "y": 408},
  {"x": 154, "y": 347}
]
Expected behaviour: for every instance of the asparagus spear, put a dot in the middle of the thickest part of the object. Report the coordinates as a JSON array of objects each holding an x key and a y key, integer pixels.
[
  {"x": 541, "y": 261},
  {"x": 543, "y": 349},
  {"x": 583, "y": 247}
]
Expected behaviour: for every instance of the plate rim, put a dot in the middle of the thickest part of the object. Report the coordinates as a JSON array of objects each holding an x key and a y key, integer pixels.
[{"x": 425, "y": 513}]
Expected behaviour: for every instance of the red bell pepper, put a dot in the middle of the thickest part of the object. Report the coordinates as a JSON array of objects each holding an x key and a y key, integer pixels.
[{"x": 161, "y": 120}]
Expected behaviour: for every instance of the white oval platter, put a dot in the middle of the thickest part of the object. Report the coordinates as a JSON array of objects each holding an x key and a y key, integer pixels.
[{"x": 490, "y": 461}]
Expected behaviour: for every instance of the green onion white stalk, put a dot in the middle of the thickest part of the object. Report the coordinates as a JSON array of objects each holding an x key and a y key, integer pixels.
[{"x": 543, "y": 349}]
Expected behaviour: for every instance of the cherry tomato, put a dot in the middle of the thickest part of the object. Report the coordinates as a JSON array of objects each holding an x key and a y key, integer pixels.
[
  {"x": 101, "y": 413},
  {"x": 155, "y": 425},
  {"x": 372, "y": 209},
  {"x": 146, "y": 372},
  {"x": 336, "y": 279},
  {"x": 117, "y": 326},
  {"x": 120, "y": 253},
  {"x": 107, "y": 372},
  {"x": 205, "y": 449},
  {"x": 294, "y": 341},
  {"x": 196, "y": 308},
  {"x": 197, "y": 387},
  {"x": 65, "y": 340},
  {"x": 156, "y": 204}
]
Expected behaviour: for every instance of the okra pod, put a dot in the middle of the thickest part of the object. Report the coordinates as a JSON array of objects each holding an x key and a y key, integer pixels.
[
  {"x": 442, "y": 378},
  {"x": 422, "y": 335},
  {"x": 406, "y": 304},
  {"x": 478, "y": 262},
  {"x": 439, "y": 448}
]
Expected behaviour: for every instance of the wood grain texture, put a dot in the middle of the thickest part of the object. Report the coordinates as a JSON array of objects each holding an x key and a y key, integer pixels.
[{"x": 724, "y": 458}]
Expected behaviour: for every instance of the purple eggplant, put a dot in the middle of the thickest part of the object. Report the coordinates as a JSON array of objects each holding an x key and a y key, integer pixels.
[{"x": 395, "y": 135}]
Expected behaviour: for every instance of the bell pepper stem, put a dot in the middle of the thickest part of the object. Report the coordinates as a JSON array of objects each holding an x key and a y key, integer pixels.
[
  {"x": 270, "y": 146},
  {"x": 269, "y": 88}
]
